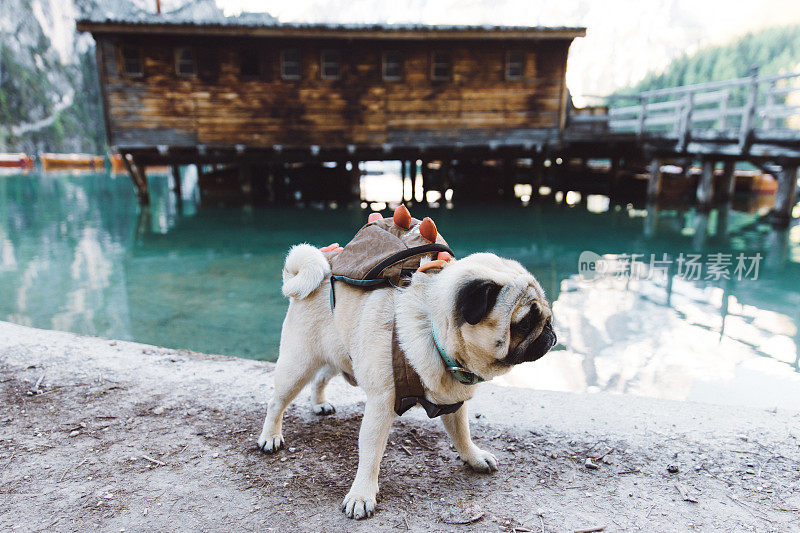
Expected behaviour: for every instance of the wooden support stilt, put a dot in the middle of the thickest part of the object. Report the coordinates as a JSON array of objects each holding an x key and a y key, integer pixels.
[
  {"x": 509, "y": 169},
  {"x": 723, "y": 218},
  {"x": 654, "y": 185},
  {"x": 613, "y": 176},
  {"x": 247, "y": 180},
  {"x": 139, "y": 178},
  {"x": 700, "y": 230},
  {"x": 425, "y": 181},
  {"x": 685, "y": 123},
  {"x": 270, "y": 180},
  {"x": 176, "y": 184},
  {"x": 651, "y": 220},
  {"x": 749, "y": 113},
  {"x": 280, "y": 193},
  {"x": 403, "y": 180},
  {"x": 688, "y": 174},
  {"x": 412, "y": 173},
  {"x": 728, "y": 182},
  {"x": 786, "y": 196},
  {"x": 537, "y": 178},
  {"x": 354, "y": 182},
  {"x": 705, "y": 187},
  {"x": 446, "y": 179},
  {"x": 259, "y": 183}
]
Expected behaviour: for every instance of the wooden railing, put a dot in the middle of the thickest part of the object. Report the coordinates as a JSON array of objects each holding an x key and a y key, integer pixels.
[{"x": 738, "y": 110}]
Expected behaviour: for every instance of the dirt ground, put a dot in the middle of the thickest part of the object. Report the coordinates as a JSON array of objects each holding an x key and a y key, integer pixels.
[{"x": 126, "y": 437}]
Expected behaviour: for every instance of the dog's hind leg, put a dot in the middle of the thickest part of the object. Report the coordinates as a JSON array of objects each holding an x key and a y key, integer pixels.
[
  {"x": 292, "y": 372},
  {"x": 318, "y": 402}
]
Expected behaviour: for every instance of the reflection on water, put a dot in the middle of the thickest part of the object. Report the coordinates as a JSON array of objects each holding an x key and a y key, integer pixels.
[{"x": 76, "y": 255}]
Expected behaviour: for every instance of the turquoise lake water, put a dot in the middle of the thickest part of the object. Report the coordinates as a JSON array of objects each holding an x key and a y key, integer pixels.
[{"x": 77, "y": 254}]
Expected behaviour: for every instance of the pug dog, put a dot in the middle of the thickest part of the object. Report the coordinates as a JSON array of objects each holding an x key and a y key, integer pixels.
[{"x": 489, "y": 313}]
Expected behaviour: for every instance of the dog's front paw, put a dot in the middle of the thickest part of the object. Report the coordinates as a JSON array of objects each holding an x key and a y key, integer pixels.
[
  {"x": 324, "y": 408},
  {"x": 358, "y": 506},
  {"x": 270, "y": 443},
  {"x": 481, "y": 460}
]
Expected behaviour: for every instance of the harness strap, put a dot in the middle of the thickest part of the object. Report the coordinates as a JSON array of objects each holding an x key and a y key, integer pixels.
[
  {"x": 405, "y": 254},
  {"x": 363, "y": 283},
  {"x": 408, "y": 390}
]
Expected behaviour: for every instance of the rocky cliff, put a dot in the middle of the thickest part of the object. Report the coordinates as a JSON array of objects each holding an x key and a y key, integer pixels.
[{"x": 49, "y": 93}]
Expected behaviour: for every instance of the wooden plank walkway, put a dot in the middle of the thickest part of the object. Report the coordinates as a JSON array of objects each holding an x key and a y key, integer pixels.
[{"x": 751, "y": 117}]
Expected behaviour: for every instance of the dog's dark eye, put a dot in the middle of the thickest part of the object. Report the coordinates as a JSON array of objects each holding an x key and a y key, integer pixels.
[{"x": 524, "y": 326}]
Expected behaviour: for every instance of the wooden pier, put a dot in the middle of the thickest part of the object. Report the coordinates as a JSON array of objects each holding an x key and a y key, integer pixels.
[{"x": 714, "y": 125}]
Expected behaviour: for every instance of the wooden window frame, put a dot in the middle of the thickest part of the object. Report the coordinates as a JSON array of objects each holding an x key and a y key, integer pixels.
[
  {"x": 435, "y": 63},
  {"x": 323, "y": 63},
  {"x": 178, "y": 60},
  {"x": 521, "y": 74},
  {"x": 299, "y": 74},
  {"x": 122, "y": 62},
  {"x": 401, "y": 65}
]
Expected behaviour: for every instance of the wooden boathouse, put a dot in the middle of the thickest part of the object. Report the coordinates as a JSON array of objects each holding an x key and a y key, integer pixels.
[
  {"x": 254, "y": 98},
  {"x": 271, "y": 112}
]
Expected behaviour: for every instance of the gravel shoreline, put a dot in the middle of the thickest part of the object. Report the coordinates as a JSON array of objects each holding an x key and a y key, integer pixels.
[{"x": 125, "y": 436}]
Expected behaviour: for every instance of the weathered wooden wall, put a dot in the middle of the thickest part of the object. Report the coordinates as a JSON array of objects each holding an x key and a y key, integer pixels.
[{"x": 218, "y": 107}]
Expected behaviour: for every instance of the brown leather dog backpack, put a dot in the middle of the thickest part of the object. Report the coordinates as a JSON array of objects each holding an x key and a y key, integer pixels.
[{"x": 387, "y": 251}]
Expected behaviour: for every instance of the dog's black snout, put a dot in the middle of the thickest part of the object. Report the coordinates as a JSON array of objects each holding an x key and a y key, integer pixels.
[
  {"x": 535, "y": 349},
  {"x": 549, "y": 327}
]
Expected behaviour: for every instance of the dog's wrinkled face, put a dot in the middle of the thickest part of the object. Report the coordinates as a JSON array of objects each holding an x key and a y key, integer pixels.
[{"x": 500, "y": 316}]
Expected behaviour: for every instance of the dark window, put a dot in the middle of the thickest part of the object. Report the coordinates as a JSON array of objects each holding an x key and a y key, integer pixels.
[
  {"x": 185, "y": 64},
  {"x": 290, "y": 64},
  {"x": 330, "y": 65},
  {"x": 207, "y": 64},
  {"x": 250, "y": 64},
  {"x": 515, "y": 65},
  {"x": 131, "y": 61},
  {"x": 442, "y": 66},
  {"x": 392, "y": 66}
]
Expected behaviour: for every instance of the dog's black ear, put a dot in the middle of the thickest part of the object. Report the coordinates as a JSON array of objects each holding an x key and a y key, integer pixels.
[{"x": 476, "y": 299}]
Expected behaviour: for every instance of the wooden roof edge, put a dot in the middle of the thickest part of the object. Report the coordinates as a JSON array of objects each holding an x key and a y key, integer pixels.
[{"x": 330, "y": 31}]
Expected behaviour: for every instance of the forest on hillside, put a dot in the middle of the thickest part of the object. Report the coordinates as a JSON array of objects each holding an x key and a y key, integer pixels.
[{"x": 773, "y": 50}]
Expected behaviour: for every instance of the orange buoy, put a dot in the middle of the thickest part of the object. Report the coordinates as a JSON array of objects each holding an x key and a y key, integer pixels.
[
  {"x": 427, "y": 229},
  {"x": 373, "y": 217},
  {"x": 402, "y": 218},
  {"x": 443, "y": 256}
]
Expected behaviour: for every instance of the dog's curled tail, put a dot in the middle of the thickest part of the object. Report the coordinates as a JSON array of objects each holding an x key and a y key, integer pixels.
[{"x": 304, "y": 270}]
